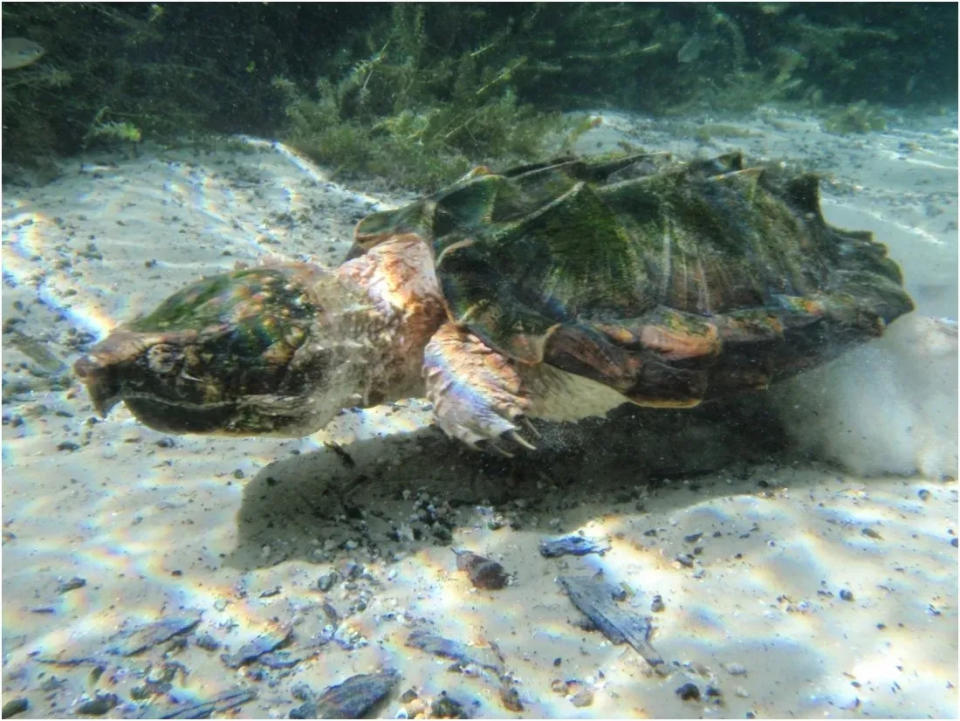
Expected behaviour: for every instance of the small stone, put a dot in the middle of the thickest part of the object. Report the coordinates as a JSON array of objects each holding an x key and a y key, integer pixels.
[
  {"x": 326, "y": 581},
  {"x": 846, "y": 595},
  {"x": 17, "y": 705},
  {"x": 734, "y": 669},
  {"x": 446, "y": 707},
  {"x": 302, "y": 691},
  {"x": 98, "y": 705},
  {"x": 510, "y": 698},
  {"x": 67, "y": 446},
  {"x": 656, "y": 605},
  {"x": 71, "y": 585},
  {"x": 924, "y": 494},
  {"x": 688, "y": 692},
  {"x": 583, "y": 697},
  {"x": 207, "y": 642},
  {"x": 483, "y": 572},
  {"x": 870, "y": 533},
  {"x": 306, "y": 710},
  {"x": 693, "y": 537}
]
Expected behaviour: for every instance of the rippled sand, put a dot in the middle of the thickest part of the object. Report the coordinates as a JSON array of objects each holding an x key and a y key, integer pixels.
[{"x": 791, "y": 583}]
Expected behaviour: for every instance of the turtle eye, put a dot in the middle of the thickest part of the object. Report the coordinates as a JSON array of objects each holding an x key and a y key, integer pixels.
[{"x": 164, "y": 358}]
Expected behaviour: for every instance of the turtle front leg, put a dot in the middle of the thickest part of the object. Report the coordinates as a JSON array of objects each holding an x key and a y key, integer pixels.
[{"x": 477, "y": 394}]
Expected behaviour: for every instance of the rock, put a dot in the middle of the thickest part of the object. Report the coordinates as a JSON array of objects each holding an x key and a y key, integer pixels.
[
  {"x": 595, "y": 599},
  {"x": 140, "y": 638},
  {"x": 262, "y": 644},
  {"x": 688, "y": 692},
  {"x": 13, "y": 707},
  {"x": 202, "y": 709},
  {"x": 356, "y": 696},
  {"x": 573, "y": 545},
  {"x": 98, "y": 705},
  {"x": 439, "y": 646},
  {"x": 483, "y": 572},
  {"x": 73, "y": 584}
]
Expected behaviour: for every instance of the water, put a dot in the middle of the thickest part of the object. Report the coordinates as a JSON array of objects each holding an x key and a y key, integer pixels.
[{"x": 816, "y": 580}]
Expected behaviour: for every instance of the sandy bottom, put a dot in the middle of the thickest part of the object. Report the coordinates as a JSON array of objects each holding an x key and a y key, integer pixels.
[{"x": 778, "y": 579}]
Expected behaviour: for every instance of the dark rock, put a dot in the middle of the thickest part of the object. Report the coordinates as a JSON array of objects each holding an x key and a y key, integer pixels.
[
  {"x": 12, "y": 708},
  {"x": 446, "y": 707},
  {"x": 302, "y": 691},
  {"x": 595, "y": 599},
  {"x": 73, "y": 584},
  {"x": 483, "y": 572},
  {"x": 846, "y": 595},
  {"x": 262, "y": 644},
  {"x": 439, "y": 646},
  {"x": 510, "y": 698},
  {"x": 326, "y": 581},
  {"x": 202, "y": 709},
  {"x": 140, "y": 638},
  {"x": 656, "y": 605},
  {"x": 689, "y": 692},
  {"x": 304, "y": 710},
  {"x": 98, "y": 705},
  {"x": 573, "y": 545},
  {"x": 207, "y": 642},
  {"x": 356, "y": 696}
]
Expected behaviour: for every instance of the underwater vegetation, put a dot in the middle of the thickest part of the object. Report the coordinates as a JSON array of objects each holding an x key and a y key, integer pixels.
[{"x": 417, "y": 93}]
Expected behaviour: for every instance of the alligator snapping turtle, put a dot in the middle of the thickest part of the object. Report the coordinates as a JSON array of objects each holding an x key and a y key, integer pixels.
[{"x": 554, "y": 290}]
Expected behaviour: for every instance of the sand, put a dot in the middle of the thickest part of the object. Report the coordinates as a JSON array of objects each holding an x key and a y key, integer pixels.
[{"x": 819, "y": 580}]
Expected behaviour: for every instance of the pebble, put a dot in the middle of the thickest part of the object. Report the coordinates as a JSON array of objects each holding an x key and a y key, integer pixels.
[
  {"x": 510, "y": 698},
  {"x": 656, "y": 605},
  {"x": 264, "y": 643},
  {"x": 446, "y": 707},
  {"x": 846, "y": 595},
  {"x": 356, "y": 696},
  {"x": 573, "y": 545},
  {"x": 207, "y": 642},
  {"x": 734, "y": 669},
  {"x": 73, "y": 584},
  {"x": 688, "y": 692},
  {"x": 98, "y": 705},
  {"x": 17, "y": 705},
  {"x": 483, "y": 572},
  {"x": 140, "y": 638},
  {"x": 583, "y": 697}
]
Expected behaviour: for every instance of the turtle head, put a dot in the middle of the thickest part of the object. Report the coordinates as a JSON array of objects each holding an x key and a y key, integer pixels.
[{"x": 253, "y": 352}]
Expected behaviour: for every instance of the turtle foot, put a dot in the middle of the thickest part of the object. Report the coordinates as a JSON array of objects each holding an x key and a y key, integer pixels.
[{"x": 477, "y": 394}]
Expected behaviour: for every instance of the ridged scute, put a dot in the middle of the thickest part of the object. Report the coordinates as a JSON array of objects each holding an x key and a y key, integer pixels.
[{"x": 643, "y": 273}]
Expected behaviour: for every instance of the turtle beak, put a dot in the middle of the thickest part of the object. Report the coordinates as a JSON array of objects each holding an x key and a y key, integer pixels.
[{"x": 101, "y": 382}]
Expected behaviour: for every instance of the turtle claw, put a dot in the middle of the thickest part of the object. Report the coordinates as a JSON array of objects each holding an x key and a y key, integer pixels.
[
  {"x": 476, "y": 393},
  {"x": 520, "y": 440}
]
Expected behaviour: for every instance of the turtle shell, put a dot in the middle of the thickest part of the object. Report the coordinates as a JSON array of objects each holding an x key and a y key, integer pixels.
[{"x": 670, "y": 282}]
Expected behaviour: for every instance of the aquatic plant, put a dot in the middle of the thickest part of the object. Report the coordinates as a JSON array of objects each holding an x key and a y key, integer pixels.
[
  {"x": 418, "y": 92},
  {"x": 419, "y": 119}
]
